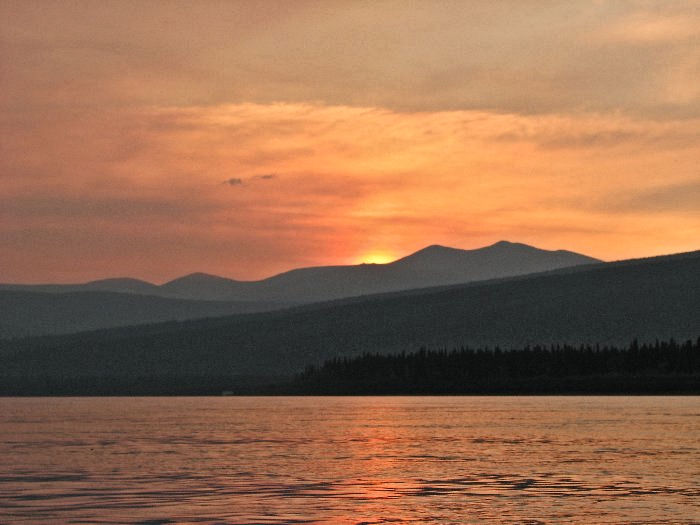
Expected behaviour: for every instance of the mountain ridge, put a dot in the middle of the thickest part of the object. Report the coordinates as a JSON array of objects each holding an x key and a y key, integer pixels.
[{"x": 433, "y": 265}]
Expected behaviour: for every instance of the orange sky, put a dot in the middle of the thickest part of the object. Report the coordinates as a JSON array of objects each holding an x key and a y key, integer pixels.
[{"x": 243, "y": 139}]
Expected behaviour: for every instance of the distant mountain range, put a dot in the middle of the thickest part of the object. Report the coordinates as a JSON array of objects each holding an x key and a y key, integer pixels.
[
  {"x": 27, "y": 310},
  {"x": 431, "y": 266},
  {"x": 601, "y": 303}
]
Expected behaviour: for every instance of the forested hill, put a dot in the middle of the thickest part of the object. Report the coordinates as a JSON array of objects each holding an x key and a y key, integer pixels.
[{"x": 612, "y": 303}]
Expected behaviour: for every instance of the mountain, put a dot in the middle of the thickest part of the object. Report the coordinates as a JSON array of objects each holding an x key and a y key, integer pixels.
[
  {"x": 55, "y": 309},
  {"x": 603, "y": 303},
  {"x": 119, "y": 285},
  {"x": 431, "y": 266},
  {"x": 206, "y": 286},
  {"x": 39, "y": 313}
]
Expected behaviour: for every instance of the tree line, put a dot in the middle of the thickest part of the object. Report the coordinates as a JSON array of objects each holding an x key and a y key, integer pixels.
[
  {"x": 664, "y": 367},
  {"x": 661, "y": 367}
]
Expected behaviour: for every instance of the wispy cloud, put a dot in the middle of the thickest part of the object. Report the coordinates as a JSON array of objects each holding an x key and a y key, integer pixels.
[
  {"x": 490, "y": 56},
  {"x": 683, "y": 198},
  {"x": 645, "y": 27},
  {"x": 239, "y": 181}
]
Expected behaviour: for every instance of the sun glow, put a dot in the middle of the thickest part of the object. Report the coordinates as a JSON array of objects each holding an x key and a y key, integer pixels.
[{"x": 376, "y": 258}]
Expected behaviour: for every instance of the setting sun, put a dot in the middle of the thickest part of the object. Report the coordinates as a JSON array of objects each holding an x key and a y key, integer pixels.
[{"x": 376, "y": 258}]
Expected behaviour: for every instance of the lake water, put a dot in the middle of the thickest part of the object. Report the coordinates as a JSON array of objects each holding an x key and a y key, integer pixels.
[{"x": 354, "y": 460}]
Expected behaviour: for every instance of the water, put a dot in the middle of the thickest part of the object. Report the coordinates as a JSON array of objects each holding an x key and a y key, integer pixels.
[{"x": 350, "y": 460}]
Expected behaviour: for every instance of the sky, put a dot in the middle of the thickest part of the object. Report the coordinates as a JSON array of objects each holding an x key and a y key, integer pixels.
[{"x": 153, "y": 139}]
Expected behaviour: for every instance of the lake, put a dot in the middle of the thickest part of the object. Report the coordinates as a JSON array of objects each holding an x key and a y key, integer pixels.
[{"x": 245, "y": 460}]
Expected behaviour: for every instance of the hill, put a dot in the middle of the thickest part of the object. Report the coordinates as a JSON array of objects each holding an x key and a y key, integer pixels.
[
  {"x": 610, "y": 304},
  {"x": 38, "y": 313},
  {"x": 117, "y": 285}
]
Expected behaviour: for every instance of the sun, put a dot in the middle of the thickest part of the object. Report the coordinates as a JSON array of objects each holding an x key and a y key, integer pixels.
[{"x": 376, "y": 258}]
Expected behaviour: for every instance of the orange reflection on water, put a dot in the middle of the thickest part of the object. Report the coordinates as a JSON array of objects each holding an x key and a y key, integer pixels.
[{"x": 349, "y": 460}]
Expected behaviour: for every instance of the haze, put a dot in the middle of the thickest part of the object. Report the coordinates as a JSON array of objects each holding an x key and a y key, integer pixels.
[{"x": 153, "y": 139}]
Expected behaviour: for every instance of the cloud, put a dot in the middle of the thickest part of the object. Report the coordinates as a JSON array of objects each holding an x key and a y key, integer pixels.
[
  {"x": 599, "y": 131},
  {"x": 646, "y": 27},
  {"x": 238, "y": 181},
  {"x": 492, "y": 56},
  {"x": 346, "y": 180},
  {"x": 666, "y": 198}
]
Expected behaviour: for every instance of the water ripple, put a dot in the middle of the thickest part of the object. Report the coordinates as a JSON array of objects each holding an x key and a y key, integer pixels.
[{"x": 350, "y": 461}]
